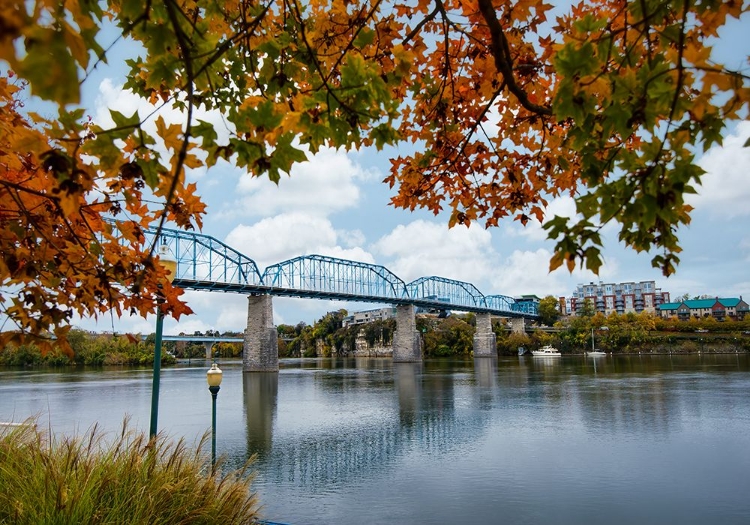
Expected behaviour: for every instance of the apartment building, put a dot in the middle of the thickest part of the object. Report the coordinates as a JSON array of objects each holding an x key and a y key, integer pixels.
[
  {"x": 719, "y": 307},
  {"x": 369, "y": 316},
  {"x": 618, "y": 298}
]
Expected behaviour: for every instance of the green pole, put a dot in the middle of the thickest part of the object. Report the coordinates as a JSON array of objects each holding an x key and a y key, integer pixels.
[
  {"x": 157, "y": 373},
  {"x": 214, "y": 392}
]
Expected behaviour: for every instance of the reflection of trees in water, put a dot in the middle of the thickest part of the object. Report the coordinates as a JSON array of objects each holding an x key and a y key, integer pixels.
[
  {"x": 620, "y": 398},
  {"x": 629, "y": 406},
  {"x": 328, "y": 458},
  {"x": 427, "y": 423},
  {"x": 623, "y": 395}
]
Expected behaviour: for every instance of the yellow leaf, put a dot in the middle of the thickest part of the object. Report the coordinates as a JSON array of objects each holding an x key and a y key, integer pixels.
[
  {"x": 76, "y": 45},
  {"x": 171, "y": 134}
]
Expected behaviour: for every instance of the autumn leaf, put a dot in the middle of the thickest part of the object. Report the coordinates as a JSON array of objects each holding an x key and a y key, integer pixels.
[{"x": 502, "y": 111}]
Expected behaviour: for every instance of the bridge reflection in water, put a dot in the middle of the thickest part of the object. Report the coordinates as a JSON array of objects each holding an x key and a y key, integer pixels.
[
  {"x": 348, "y": 420},
  {"x": 419, "y": 416}
]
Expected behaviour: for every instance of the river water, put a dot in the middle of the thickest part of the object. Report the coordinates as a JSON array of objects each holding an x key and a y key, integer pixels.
[{"x": 571, "y": 440}]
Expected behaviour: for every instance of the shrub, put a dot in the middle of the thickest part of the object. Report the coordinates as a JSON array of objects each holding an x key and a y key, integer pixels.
[{"x": 127, "y": 479}]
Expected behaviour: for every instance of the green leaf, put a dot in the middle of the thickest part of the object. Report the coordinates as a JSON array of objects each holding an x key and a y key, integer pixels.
[
  {"x": 122, "y": 121},
  {"x": 365, "y": 37},
  {"x": 204, "y": 130},
  {"x": 152, "y": 169},
  {"x": 49, "y": 66}
]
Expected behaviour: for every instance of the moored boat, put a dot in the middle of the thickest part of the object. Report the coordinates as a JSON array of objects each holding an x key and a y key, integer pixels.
[
  {"x": 595, "y": 351},
  {"x": 546, "y": 350}
]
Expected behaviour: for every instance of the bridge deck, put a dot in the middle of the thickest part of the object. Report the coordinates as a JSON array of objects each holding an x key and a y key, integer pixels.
[{"x": 204, "y": 263}]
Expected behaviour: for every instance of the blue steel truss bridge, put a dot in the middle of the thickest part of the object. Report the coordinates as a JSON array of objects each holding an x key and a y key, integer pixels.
[{"x": 205, "y": 263}]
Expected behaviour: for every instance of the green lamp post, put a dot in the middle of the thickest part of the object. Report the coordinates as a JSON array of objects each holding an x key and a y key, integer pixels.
[
  {"x": 170, "y": 265},
  {"x": 213, "y": 377}
]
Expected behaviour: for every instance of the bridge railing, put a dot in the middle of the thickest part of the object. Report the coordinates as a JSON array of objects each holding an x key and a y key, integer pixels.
[
  {"x": 453, "y": 293},
  {"x": 202, "y": 258},
  {"x": 327, "y": 276},
  {"x": 206, "y": 263},
  {"x": 500, "y": 302}
]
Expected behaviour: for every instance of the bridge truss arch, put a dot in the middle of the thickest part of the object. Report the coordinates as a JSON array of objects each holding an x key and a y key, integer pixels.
[
  {"x": 448, "y": 291},
  {"x": 333, "y": 278},
  {"x": 206, "y": 263},
  {"x": 500, "y": 302}
]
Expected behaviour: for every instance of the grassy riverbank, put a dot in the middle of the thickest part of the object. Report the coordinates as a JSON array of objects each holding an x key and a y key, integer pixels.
[{"x": 122, "y": 478}]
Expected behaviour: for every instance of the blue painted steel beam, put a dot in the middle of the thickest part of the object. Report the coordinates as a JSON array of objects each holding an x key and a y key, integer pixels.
[
  {"x": 203, "y": 258},
  {"x": 499, "y": 302},
  {"x": 447, "y": 291},
  {"x": 205, "y": 263},
  {"x": 320, "y": 273}
]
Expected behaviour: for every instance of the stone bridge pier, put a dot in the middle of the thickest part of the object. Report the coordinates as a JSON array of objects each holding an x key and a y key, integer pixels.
[
  {"x": 518, "y": 325},
  {"x": 407, "y": 342},
  {"x": 485, "y": 341},
  {"x": 260, "y": 349}
]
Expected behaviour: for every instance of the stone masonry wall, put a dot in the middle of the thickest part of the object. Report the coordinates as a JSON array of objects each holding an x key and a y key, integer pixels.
[
  {"x": 261, "y": 352},
  {"x": 485, "y": 344},
  {"x": 407, "y": 343}
]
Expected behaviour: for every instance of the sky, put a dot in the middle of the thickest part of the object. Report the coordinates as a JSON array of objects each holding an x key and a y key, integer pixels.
[{"x": 336, "y": 204}]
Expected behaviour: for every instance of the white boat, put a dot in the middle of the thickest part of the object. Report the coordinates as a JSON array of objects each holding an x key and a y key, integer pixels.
[
  {"x": 546, "y": 350},
  {"x": 595, "y": 351}
]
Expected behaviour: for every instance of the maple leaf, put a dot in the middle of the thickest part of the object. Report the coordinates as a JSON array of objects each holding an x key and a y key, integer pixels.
[{"x": 609, "y": 107}]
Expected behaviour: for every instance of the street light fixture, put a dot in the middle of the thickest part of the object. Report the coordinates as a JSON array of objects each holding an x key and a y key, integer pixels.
[
  {"x": 213, "y": 377},
  {"x": 170, "y": 266}
]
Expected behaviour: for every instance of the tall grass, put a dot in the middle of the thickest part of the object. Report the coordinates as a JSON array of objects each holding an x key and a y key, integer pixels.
[{"x": 115, "y": 479}]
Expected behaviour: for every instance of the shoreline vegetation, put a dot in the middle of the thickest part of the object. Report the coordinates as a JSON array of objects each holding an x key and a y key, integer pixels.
[
  {"x": 122, "y": 477},
  {"x": 441, "y": 337}
]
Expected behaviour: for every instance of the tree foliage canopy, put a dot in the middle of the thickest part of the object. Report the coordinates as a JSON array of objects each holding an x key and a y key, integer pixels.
[
  {"x": 505, "y": 109},
  {"x": 549, "y": 310}
]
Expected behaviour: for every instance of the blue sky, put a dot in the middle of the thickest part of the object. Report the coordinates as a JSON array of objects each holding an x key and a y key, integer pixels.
[{"x": 336, "y": 204}]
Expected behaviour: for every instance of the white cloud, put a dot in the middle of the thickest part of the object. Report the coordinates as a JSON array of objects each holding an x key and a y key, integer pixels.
[
  {"x": 745, "y": 248},
  {"x": 114, "y": 97},
  {"x": 323, "y": 185},
  {"x": 289, "y": 235},
  {"x": 310, "y": 310},
  {"x": 228, "y": 311},
  {"x": 563, "y": 206},
  {"x": 424, "y": 248},
  {"x": 527, "y": 272},
  {"x": 725, "y": 188},
  {"x": 351, "y": 238}
]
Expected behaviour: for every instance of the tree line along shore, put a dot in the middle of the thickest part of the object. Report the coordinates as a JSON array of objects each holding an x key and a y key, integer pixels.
[{"x": 441, "y": 337}]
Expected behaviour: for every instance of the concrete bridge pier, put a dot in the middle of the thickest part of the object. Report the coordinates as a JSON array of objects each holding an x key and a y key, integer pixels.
[
  {"x": 407, "y": 342},
  {"x": 208, "y": 345},
  {"x": 518, "y": 325},
  {"x": 485, "y": 341},
  {"x": 260, "y": 349}
]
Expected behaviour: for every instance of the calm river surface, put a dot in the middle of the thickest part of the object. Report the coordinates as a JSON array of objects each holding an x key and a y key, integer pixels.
[{"x": 623, "y": 440}]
